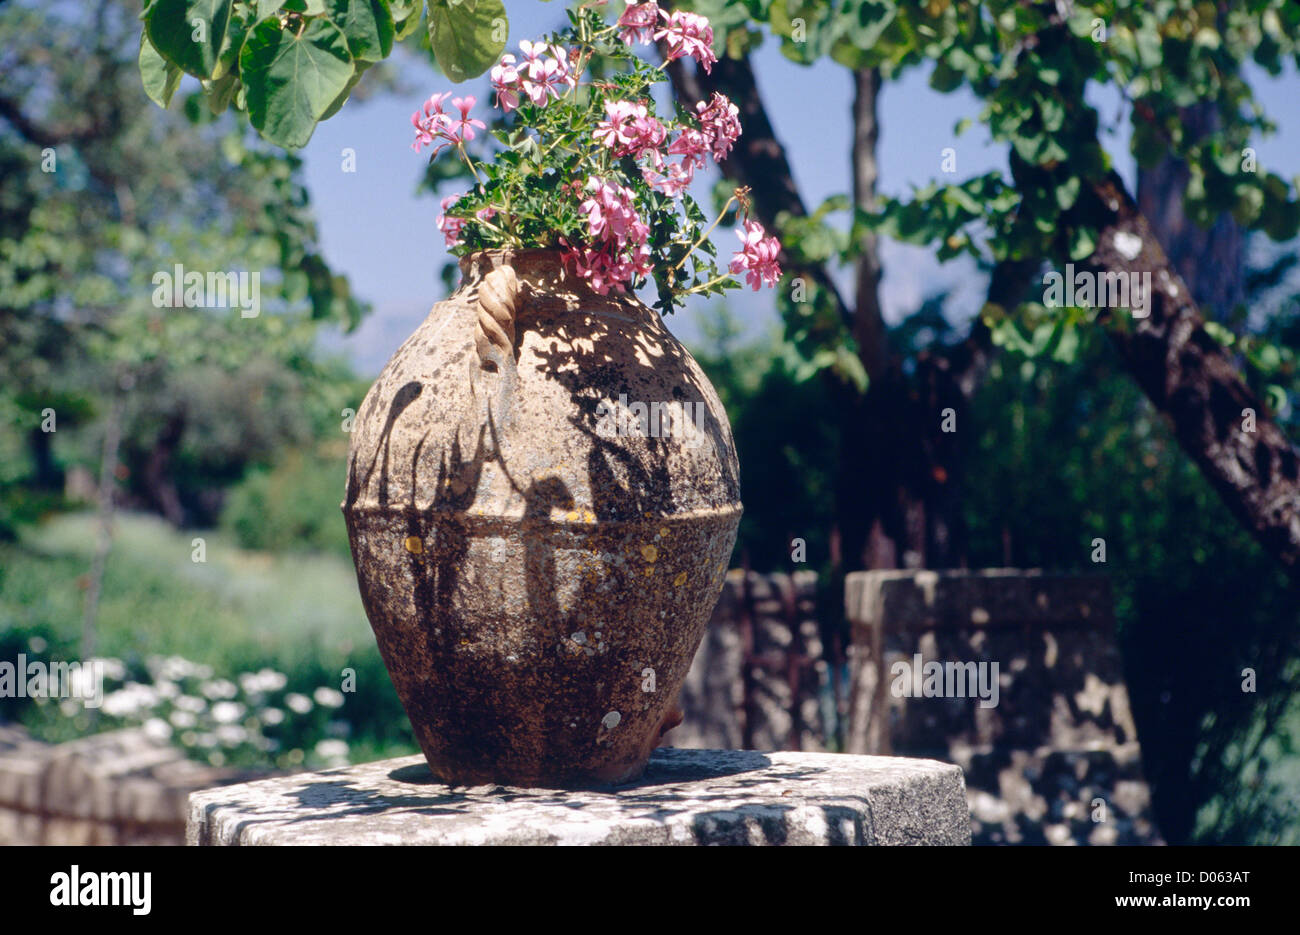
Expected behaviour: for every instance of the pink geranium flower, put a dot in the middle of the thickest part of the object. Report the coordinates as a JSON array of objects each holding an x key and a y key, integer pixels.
[
  {"x": 544, "y": 77},
  {"x": 692, "y": 145},
  {"x": 687, "y": 34},
  {"x": 451, "y": 226},
  {"x": 505, "y": 81},
  {"x": 629, "y": 129},
  {"x": 568, "y": 61},
  {"x": 674, "y": 180},
  {"x": 638, "y": 22},
  {"x": 609, "y": 270},
  {"x": 430, "y": 122},
  {"x": 611, "y": 213},
  {"x": 440, "y": 130},
  {"x": 757, "y": 256},
  {"x": 720, "y": 123},
  {"x": 463, "y": 129},
  {"x": 533, "y": 51},
  {"x": 543, "y": 74}
]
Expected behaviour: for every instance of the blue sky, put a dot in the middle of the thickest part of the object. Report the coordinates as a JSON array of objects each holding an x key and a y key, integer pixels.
[{"x": 381, "y": 234}]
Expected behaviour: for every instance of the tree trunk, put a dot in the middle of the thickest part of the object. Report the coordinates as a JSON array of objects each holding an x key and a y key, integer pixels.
[
  {"x": 104, "y": 543},
  {"x": 46, "y": 473},
  {"x": 160, "y": 487},
  {"x": 868, "y": 322}
]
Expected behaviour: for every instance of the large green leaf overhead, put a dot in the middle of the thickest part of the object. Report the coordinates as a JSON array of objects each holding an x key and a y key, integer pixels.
[
  {"x": 189, "y": 32},
  {"x": 159, "y": 76},
  {"x": 467, "y": 36},
  {"x": 368, "y": 24},
  {"x": 292, "y": 79}
]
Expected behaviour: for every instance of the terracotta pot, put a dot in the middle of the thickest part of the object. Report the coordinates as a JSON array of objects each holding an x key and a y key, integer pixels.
[{"x": 538, "y": 571}]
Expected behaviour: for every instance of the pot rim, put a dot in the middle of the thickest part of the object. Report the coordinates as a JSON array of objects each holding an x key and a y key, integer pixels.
[{"x": 525, "y": 260}]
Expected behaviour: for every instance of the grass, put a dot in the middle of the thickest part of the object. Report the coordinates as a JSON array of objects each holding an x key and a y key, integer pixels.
[
  {"x": 238, "y": 611},
  {"x": 156, "y": 599}
]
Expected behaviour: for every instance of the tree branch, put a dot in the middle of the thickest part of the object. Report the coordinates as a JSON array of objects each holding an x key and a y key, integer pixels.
[
  {"x": 44, "y": 136},
  {"x": 1190, "y": 378}
]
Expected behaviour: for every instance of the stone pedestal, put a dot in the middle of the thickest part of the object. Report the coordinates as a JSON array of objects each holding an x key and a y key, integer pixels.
[{"x": 686, "y": 797}]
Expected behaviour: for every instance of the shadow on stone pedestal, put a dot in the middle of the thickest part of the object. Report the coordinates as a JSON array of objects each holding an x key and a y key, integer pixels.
[
  {"x": 1053, "y": 757},
  {"x": 693, "y": 797}
]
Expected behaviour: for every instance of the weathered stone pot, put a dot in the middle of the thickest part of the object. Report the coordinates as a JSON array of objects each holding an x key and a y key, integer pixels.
[{"x": 537, "y": 557}]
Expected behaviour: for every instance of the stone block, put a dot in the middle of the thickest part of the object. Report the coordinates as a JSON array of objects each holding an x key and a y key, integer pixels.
[{"x": 692, "y": 797}]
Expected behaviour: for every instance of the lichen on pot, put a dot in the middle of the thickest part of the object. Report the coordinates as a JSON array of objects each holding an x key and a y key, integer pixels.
[{"x": 542, "y": 499}]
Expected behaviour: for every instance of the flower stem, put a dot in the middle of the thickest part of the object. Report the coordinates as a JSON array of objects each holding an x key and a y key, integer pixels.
[
  {"x": 705, "y": 236},
  {"x": 705, "y": 285},
  {"x": 465, "y": 157}
]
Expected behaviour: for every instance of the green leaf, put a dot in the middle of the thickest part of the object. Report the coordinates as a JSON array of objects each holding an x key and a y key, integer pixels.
[
  {"x": 292, "y": 80},
  {"x": 1067, "y": 193},
  {"x": 1220, "y": 333},
  {"x": 1067, "y": 348},
  {"x": 159, "y": 76},
  {"x": 368, "y": 26},
  {"x": 465, "y": 36},
  {"x": 189, "y": 32},
  {"x": 346, "y": 92},
  {"x": 221, "y": 91},
  {"x": 406, "y": 16},
  {"x": 1083, "y": 242}
]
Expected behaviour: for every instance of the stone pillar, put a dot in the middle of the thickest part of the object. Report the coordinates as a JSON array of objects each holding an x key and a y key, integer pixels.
[
  {"x": 1050, "y": 750},
  {"x": 685, "y": 797},
  {"x": 760, "y": 676}
]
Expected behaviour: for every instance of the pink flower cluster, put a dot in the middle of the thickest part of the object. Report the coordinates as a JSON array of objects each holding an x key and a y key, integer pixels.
[
  {"x": 719, "y": 129},
  {"x": 682, "y": 33},
  {"x": 630, "y": 130},
  {"x": 613, "y": 250},
  {"x": 622, "y": 249},
  {"x": 720, "y": 124},
  {"x": 637, "y": 24},
  {"x": 539, "y": 77},
  {"x": 435, "y": 128},
  {"x": 757, "y": 256}
]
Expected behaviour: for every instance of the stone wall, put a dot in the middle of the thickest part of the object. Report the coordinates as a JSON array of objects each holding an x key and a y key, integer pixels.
[
  {"x": 119, "y": 787},
  {"x": 761, "y": 677},
  {"x": 1058, "y": 749}
]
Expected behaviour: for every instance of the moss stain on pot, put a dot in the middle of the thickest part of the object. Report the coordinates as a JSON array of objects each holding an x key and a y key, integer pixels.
[{"x": 523, "y": 570}]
